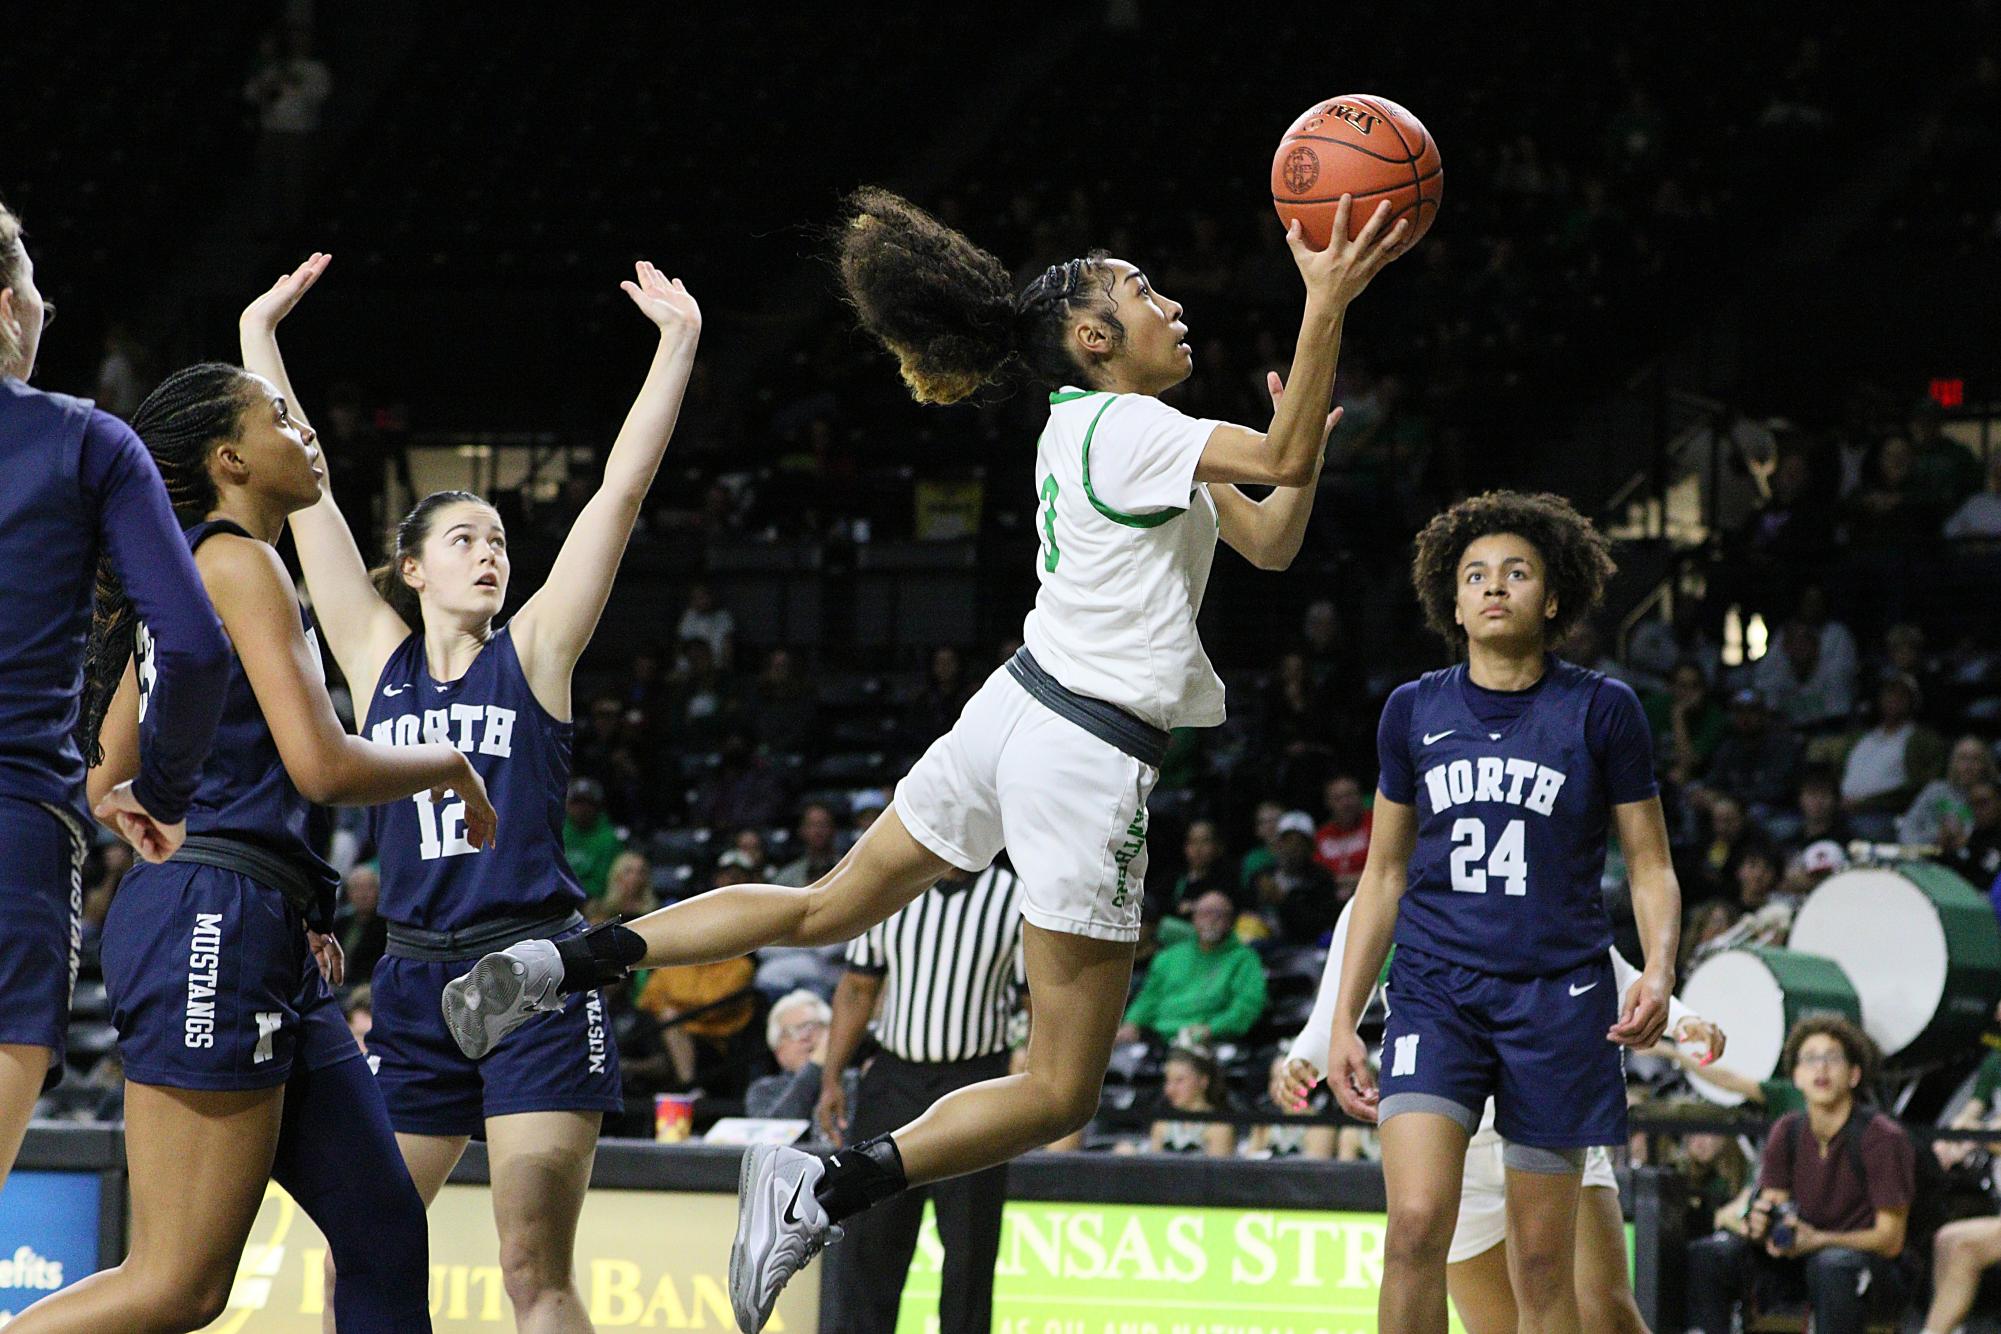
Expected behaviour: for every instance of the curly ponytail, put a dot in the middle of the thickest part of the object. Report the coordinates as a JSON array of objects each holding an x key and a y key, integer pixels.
[
  {"x": 180, "y": 422},
  {"x": 10, "y": 273},
  {"x": 943, "y": 306}
]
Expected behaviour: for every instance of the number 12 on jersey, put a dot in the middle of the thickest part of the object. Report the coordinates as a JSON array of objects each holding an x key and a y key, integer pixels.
[
  {"x": 441, "y": 833},
  {"x": 1507, "y": 864}
]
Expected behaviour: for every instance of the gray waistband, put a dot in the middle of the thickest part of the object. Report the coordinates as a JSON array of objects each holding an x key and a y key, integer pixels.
[
  {"x": 310, "y": 894},
  {"x": 415, "y": 942},
  {"x": 1107, "y": 722}
]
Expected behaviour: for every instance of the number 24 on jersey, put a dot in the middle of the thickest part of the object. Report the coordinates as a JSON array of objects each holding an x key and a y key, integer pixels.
[{"x": 1506, "y": 863}]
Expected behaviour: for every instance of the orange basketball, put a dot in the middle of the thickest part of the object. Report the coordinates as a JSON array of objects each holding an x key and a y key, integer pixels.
[{"x": 1364, "y": 146}]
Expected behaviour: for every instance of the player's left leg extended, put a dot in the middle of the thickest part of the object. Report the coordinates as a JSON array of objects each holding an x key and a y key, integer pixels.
[
  {"x": 1081, "y": 984},
  {"x": 541, "y": 1166},
  {"x": 1542, "y": 1239},
  {"x": 1604, "y": 1287}
]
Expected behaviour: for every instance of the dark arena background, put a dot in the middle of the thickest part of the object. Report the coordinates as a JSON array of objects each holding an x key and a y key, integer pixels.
[{"x": 1725, "y": 278}]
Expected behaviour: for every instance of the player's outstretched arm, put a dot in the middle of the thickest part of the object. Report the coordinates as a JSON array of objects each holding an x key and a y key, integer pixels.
[
  {"x": 360, "y": 628},
  {"x": 1392, "y": 839},
  {"x": 1289, "y": 454},
  {"x": 1268, "y": 533},
  {"x": 1643, "y": 1014},
  {"x": 253, "y": 596},
  {"x": 555, "y": 624}
]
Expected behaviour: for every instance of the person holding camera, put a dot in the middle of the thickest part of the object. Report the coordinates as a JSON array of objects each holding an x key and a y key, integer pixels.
[{"x": 1835, "y": 1189}]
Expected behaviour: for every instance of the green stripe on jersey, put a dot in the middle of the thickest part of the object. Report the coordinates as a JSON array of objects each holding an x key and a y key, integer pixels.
[
  {"x": 1153, "y": 520},
  {"x": 1070, "y": 395}
]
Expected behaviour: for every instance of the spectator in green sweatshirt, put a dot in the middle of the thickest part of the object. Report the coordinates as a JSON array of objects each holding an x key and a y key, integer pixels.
[
  {"x": 1213, "y": 983},
  {"x": 590, "y": 841}
]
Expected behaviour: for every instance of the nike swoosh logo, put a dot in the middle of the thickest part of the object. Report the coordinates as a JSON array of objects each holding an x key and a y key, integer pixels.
[
  {"x": 1430, "y": 737},
  {"x": 792, "y": 1205},
  {"x": 1579, "y": 991},
  {"x": 394, "y": 690}
]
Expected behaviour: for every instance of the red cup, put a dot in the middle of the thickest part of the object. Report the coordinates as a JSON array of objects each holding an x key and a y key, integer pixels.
[{"x": 673, "y": 1117}]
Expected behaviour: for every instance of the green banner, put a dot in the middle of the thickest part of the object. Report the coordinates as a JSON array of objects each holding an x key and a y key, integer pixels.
[{"x": 1154, "y": 1269}]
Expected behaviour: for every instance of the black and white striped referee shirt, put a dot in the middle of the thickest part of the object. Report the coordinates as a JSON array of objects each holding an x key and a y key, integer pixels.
[{"x": 951, "y": 966}]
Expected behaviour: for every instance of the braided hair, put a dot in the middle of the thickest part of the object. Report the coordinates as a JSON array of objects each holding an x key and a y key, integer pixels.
[
  {"x": 407, "y": 542},
  {"x": 180, "y": 422},
  {"x": 944, "y": 307}
]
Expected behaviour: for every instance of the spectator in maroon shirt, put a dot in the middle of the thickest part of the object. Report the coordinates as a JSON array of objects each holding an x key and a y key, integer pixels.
[
  {"x": 1834, "y": 1193},
  {"x": 1341, "y": 845}
]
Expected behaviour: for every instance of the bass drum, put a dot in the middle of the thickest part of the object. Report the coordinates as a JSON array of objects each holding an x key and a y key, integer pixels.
[
  {"x": 1756, "y": 996},
  {"x": 1922, "y": 948}
]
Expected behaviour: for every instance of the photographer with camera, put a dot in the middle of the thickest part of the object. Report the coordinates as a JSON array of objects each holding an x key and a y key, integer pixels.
[{"x": 1835, "y": 1189}]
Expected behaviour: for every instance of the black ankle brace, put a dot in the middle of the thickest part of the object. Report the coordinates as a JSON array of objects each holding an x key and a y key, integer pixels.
[
  {"x": 857, "y": 1177},
  {"x": 601, "y": 957}
]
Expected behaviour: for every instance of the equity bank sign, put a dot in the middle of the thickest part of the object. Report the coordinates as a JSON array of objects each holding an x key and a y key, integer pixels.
[{"x": 645, "y": 1260}]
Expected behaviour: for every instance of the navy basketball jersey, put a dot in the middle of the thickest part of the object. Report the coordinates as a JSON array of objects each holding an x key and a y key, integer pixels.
[
  {"x": 244, "y": 792},
  {"x": 1513, "y": 792},
  {"x": 432, "y": 877}
]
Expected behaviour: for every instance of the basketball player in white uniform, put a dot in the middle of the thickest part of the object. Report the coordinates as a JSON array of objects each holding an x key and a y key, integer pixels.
[{"x": 1056, "y": 754}]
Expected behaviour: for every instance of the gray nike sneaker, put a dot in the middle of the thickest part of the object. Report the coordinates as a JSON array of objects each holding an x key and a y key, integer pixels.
[
  {"x": 502, "y": 992},
  {"x": 780, "y": 1226}
]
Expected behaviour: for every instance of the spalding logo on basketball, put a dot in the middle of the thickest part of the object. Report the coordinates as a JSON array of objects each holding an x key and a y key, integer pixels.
[
  {"x": 1302, "y": 169},
  {"x": 1355, "y": 116}
]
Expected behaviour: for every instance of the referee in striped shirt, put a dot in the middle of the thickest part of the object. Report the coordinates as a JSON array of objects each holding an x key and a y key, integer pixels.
[{"x": 947, "y": 968}]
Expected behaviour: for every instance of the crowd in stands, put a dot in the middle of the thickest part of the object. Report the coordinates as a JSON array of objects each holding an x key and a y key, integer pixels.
[{"x": 1817, "y": 682}]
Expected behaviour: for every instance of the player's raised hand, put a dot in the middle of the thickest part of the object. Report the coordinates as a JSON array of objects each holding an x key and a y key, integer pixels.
[
  {"x": 1291, "y": 1082},
  {"x": 1275, "y": 386},
  {"x": 664, "y": 301},
  {"x": 1351, "y": 1077},
  {"x": 265, "y": 313},
  {"x": 1339, "y": 273},
  {"x": 1643, "y": 1014}
]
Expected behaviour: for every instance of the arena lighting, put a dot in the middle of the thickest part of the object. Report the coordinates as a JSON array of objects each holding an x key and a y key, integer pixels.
[{"x": 1947, "y": 392}]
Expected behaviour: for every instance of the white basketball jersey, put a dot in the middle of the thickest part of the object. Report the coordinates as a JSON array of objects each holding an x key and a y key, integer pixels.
[{"x": 1127, "y": 537}]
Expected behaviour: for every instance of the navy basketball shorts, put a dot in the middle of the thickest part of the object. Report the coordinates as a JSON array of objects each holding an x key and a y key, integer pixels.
[
  {"x": 1456, "y": 1036},
  {"x": 41, "y": 902},
  {"x": 564, "y": 1061},
  {"x": 212, "y": 984}
]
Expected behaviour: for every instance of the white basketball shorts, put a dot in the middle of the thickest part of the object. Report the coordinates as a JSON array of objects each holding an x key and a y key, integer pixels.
[{"x": 1069, "y": 808}]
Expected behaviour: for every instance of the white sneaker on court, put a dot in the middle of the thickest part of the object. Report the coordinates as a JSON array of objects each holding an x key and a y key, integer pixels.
[
  {"x": 502, "y": 992},
  {"x": 780, "y": 1226}
]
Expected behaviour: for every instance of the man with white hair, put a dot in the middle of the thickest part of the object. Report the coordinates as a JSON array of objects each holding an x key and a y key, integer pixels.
[{"x": 796, "y": 1032}]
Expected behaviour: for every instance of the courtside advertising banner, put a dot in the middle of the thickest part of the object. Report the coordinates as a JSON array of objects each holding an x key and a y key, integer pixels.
[
  {"x": 48, "y": 1235},
  {"x": 1159, "y": 1269},
  {"x": 645, "y": 1260}
]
